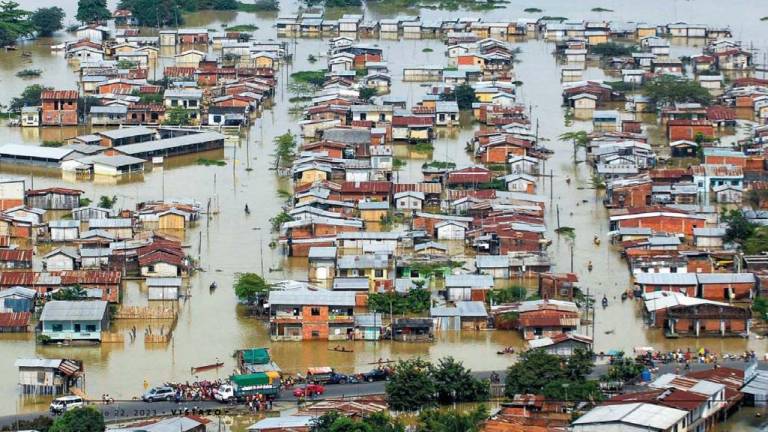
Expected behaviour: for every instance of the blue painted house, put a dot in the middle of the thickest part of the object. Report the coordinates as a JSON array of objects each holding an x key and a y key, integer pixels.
[{"x": 74, "y": 320}]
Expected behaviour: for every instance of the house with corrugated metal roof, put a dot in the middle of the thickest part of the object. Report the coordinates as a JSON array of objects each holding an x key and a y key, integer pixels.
[
  {"x": 464, "y": 315},
  {"x": 305, "y": 314},
  {"x": 74, "y": 320},
  {"x": 49, "y": 376}
]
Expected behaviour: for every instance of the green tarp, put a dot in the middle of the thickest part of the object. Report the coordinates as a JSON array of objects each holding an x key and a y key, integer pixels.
[
  {"x": 256, "y": 356},
  {"x": 250, "y": 380}
]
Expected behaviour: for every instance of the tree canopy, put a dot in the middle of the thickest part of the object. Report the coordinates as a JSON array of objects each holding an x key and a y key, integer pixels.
[
  {"x": 107, "y": 202},
  {"x": 89, "y": 11},
  {"x": 455, "y": 383},
  {"x": 411, "y": 386},
  {"x": 613, "y": 49},
  {"x": 154, "y": 12},
  {"x": 624, "y": 369},
  {"x": 177, "y": 116},
  {"x": 366, "y": 93},
  {"x": 29, "y": 97},
  {"x": 14, "y": 23},
  {"x": 538, "y": 372},
  {"x": 86, "y": 419},
  {"x": 669, "y": 89},
  {"x": 463, "y": 94},
  {"x": 48, "y": 20},
  {"x": 250, "y": 286},
  {"x": 452, "y": 421},
  {"x": 333, "y": 421},
  {"x": 415, "y": 301}
]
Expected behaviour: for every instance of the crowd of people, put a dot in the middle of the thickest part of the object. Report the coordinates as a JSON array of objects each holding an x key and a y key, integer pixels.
[{"x": 197, "y": 390}]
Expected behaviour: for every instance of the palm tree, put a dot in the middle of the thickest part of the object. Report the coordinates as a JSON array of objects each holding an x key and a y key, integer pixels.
[{"x": 579, "y": 139}]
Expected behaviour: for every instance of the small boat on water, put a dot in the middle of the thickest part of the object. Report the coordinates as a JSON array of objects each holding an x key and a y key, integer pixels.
[
  {"x": 624, "y": 296},
  {"x": 341, "y": 349},
  {"x": 589, "y": 266},
  {"x": 507, "y": 350},
  {"x": 198, "y": 369},
  {"x": 605, "y": 302}
]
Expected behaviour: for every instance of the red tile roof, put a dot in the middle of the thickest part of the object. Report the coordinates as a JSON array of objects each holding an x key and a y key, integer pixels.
[
  {"x": 366, "y": 187},
  {"x": 719, "y": 113},
  {"x": 548, "y": 318},
  {"x": 412, "y": 121},
  {"x": 159, "y": 256},
  {"x": 58, "y": 94}
]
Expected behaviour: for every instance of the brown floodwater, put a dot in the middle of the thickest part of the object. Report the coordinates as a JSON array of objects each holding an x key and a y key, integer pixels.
[{"x": 211, "y": 326}]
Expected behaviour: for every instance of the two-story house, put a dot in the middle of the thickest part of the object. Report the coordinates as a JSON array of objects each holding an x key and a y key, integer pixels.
[{"x": 305, "y": 314}]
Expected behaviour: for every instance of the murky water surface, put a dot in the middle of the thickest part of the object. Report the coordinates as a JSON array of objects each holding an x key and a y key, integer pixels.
[{"x": 210, "y": 326}]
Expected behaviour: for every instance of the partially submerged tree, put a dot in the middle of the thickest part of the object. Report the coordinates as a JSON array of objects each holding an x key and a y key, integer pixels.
[
  {"x": 250, "y": 287},
  {"x": 29, "y": 97},
  {"x": 669, "y": 89},
  {"x": 107, "y": 202},
  {"x": 87, "y": 419},
  {"x": 14, "y": 23},
  {"x": 89, "y": 11},
  {"x": 176, "y": 116},
  {"x": 48, "y": 20}
]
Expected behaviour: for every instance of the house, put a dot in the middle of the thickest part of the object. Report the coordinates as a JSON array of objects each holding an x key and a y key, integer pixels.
[
  {"x": 60, "y": 259},
  {"x": 430, "y": 248},
  {"x": 30, "y": 116},
  {"x": 190, "y": 99},
  {"x": 322, "y": 264},
  {"x": 74, "y": 320},
  {"x": 520, "y": 182},
  {"x": 125, "y": 136},
  {"x": 450, "y": 230},
  {"x": 728, "y": 194},
  {"x": 369, "y": 326},
  {"x": 293, "y": 423},
  {"x": 181, "y": 423},
  {"x": 59, "y": 107},
  {"x": 465, "y": 315},
  {"x": 373, "y": 211},
  {"x": 163, "y": 288},
  {"x": 563, "y": 345},
  {"x": 494, "y": 265},
  {"x": 189, "y": 58},
  {"x": 684, "y": 283},
  {"x": 94, "y": 258},
  {"x": 110, "y": 115},
  {"x": 708, "y": 176},
  {"x": 17, "y": 299},
  {"x": 160, "y": 263},
  {"x": 311, "y": 315},
  {"x": 446, "y": 113},
  {"x": 708, "y": 238},
  {"x": 547, "y": 318},
  {"x": 64, "y": 230},
  {"x": 49, "y": 376},
  {"x": 91, "y": 212},
  {"x": 11, "y": 193},
  {"x": 413, "y": 330},
  {"x": 467, "y": 287},
  {"x": 631, "y": 417},
  {"x": 689, "y": 129},
  {"x": 659, "y": 219},
  {"x": 120, "y": 228},
  {"x": 409, "y": 200},
  {"x": 374, "y": 267},
  {"x": 583, "y": 101},
  {"x": 56, "y": 198}
]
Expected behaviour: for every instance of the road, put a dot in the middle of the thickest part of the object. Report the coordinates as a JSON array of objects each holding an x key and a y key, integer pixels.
[{"x": 134, "y": 410}]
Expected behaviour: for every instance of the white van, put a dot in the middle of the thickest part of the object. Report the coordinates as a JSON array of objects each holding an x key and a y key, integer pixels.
[{"x": 66, "y": 403}]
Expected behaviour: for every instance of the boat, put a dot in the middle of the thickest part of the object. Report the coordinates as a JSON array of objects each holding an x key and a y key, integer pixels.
[
  {"x": 589, "y": 266},
  {"x": 341, "y": 349},
  {"x": 605, "y": 301},
  {"x": 198, "y": 369},
  {"x": 508, "y": 350},
  {"x": 624, "y": 296}
]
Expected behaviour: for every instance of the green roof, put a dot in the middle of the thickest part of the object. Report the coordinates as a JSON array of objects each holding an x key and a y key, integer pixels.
[{"x": 256, "y": 356}]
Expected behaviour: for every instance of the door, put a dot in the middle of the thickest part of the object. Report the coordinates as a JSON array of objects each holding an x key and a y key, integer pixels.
[{"x": 77, "y": 328}]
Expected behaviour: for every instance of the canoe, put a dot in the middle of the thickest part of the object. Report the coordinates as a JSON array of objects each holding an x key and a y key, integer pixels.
[{"x": 206, "y": 367}]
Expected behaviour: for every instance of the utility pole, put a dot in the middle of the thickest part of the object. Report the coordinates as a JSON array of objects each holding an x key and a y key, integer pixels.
[{"x": 558, "y": 220}]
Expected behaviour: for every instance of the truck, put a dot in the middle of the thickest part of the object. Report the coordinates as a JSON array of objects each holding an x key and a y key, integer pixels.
[
  {"x": 326, "y": 375},
  {"x": 241, "y": 386}
]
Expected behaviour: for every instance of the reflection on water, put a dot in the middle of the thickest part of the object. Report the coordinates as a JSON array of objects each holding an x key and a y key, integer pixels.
[{"x": 210, "y": 325}]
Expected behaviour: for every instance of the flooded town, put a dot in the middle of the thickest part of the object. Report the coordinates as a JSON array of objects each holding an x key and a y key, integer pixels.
[{"x": 390, "y": 215}]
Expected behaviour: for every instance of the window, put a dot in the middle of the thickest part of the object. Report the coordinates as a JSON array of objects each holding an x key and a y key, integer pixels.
[
  {"x": 378, "y": 273},
  {"x": 192, "y": 103},
  {"x": 217, "y": 119},
  {"x": 151, "y": 268},
  {"x": 90, "y": 328},
  {"x": 315, "y": 333},
  {"x": 315, "y": 311},
  {"x": 57, "y": 327},
  {"x": 174, "y": 103}
]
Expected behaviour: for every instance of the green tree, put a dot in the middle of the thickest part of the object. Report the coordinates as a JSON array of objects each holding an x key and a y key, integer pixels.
[
  {"x": 668, "y": 89},
  {"x": 758, "y": 242},
  {"x": 177, "y": 116},
  {"x": 250, "y": 287},
  {"x": 315, "y": 78},
  {"x": 29, "y": 97},
  {"x": 579, "y": 139},
  {"x": 86, "y": 419},
  {"x": 463, "y": 94},
  {"x": 154, "y": 12},
  {"x": 532, "y": 372},
  {"x": 507, "y": 295},
  {"x": 14, "y": 23},
  {"x": 411, "y": 386},
  {"x": 571, "y": 391},
  {"x": 48, "y": 20},
  {"x": 452, "y": 421},
  {"x": 579, "y": 365},
  {"x": 366, "y": 93},
  {"x": 279, "y": 220},
  {"x": 613, "y": 49},
  {"x": 286, "y": 149},
  {"x": 73, "y": 293},
  {"x": 89, "y": 11},
  {"x": 455, "y": 383},
  {"x": 334, "y": 421},
  {"x": 624, "y": 369},
  {"x": 106, "y": 202},
  {"x": 739, "y": 229}
]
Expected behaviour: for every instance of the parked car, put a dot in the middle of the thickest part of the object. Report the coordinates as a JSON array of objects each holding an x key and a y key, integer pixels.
[
  {"x": 309, "y": 390},
  {"x": 377, "y": 374},
  {"x": 66, "y": 403},
  {"x": 158, "y": 393}
]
